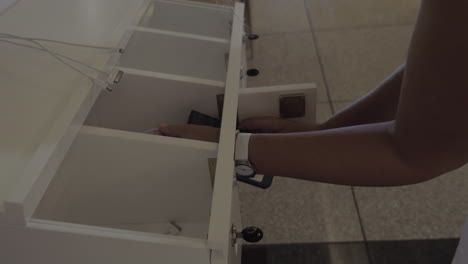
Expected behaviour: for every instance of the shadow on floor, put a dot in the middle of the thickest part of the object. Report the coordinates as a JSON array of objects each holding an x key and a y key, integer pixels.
[{"x": 439, "y": 251}]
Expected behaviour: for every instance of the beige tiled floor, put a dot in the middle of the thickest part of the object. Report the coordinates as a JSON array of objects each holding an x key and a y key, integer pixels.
[
  {"x": 355, "y": 61},
  {"x": 430, "y": 210},
  {"x": 354, "y": 45},
  {"x": 295, "y": 211},
  {"x": 278, "y": 16},
  {"x": 333, "y": 14}
]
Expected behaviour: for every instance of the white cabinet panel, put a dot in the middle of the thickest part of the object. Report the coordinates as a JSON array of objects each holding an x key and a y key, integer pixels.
[
  {"x": 176, "y": 55},
  {"x": 53, "y": 243},
  {"x": 265, "y": 101},
  {"x": 138, "y": 103},
  {"x": 113, "y": 177},
  {"x": 185, "y": 17}
]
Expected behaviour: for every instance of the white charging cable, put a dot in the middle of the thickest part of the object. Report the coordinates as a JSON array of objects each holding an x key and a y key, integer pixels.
[
  {"x": 7, "y": 35},
  {"x": 60, "y": 57},
  {"x": 58, "y": 54}
]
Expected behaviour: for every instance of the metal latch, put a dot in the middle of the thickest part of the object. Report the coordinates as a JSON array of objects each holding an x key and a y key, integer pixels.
[{"x": 118, "y": 76}]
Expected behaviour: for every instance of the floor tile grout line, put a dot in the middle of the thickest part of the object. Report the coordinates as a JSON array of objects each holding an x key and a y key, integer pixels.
[
  {"x": 337, "y": 29},
  {"x": 356, "y": 28},
  {"x": 332, "y": 108},
  {"x": 319, "y": 59},
  {"x": 282, "y": 33},
  {"x": 361, "y": 225}
]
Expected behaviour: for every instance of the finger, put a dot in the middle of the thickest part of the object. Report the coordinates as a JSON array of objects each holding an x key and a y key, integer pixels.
[
  {"x": 163, "y": 129},
  {"x": 171, "y": 131},
  {"x": 258, "y": 124},
  {"x": 157, "y": 132},
  {"x": 250, "y": 124}
]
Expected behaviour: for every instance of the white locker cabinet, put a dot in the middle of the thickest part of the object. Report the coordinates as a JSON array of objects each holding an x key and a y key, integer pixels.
[{"x": 95, "y": 187}]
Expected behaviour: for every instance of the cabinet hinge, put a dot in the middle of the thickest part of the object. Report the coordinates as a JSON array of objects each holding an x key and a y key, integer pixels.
[{"x": 114, "y": 78}]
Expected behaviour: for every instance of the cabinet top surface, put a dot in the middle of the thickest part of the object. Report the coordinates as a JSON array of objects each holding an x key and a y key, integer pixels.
[{"x": 36, "y": 88}]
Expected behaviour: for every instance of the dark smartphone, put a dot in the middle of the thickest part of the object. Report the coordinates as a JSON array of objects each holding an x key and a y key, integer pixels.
[{"x": 197, "y": 118}]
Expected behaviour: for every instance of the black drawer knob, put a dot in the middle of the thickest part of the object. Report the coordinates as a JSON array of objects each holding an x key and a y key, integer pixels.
[
  {"x": 253, "y": 36},
  {"x": 252, "y": 234},
  {"x": 253, "y": 72}
]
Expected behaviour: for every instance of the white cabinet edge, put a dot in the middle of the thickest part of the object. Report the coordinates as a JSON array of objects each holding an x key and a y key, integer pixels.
[
  {"x": 277, "y": 88},
  {"x": 29, "y": 187},
  {"x": 149, "y": 138},
  {"x": 105, "y": 232},
  {"x": 219, "y": 235}
]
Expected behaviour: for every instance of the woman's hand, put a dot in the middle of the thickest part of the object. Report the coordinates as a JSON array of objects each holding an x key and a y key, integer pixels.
[
  {"x": 196, "y": 132},
  {"x": 254, "y": 125},
  {"x": 275, "y": 125}
]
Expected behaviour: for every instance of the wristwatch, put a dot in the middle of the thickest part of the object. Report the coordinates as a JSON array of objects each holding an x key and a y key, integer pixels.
[
  {"x": 243, "y": 166},
  {"x": 245, "y": 171}
]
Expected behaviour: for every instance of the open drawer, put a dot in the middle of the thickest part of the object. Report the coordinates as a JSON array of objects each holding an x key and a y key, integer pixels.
[
  {"x": 103, "y": 186},
  {"x": 132, "y": 181},
  {"x": 295, "y": 102},
  {"x": 118, "y": 175},
  {"x": 101, "y": 190},
  {"x": 116, "y": 180}
]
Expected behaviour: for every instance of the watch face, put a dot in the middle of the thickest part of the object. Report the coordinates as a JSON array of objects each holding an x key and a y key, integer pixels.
[{"x": 245, "y": 171}]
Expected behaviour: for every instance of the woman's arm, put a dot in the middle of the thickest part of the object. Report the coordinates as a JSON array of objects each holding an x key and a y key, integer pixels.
[
  {"x": 362, "y": 155},
  {"x": 432, "y": 124},
  {"x": 380, "y": 105},
  {"x": 429, "y": 136}
]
